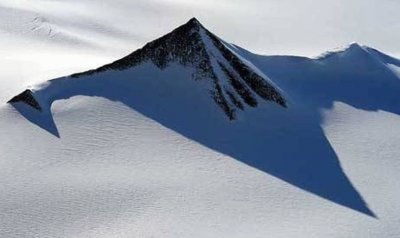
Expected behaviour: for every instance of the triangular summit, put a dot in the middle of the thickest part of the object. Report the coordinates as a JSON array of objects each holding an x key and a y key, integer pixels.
[{"x": 236, "y": 84}]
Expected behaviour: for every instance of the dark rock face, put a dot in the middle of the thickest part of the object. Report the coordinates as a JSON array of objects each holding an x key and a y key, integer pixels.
[
  {"x": 252, "y": 79},
  {"x": 244, "y": 92},
  {"x": 28, "y": 98},
  {"x": 186, "y": 46},
  {"x": 183, "y": 45}
]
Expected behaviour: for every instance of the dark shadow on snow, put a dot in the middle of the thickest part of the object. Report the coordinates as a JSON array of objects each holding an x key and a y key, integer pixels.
[{"x": 42, "y": 119}]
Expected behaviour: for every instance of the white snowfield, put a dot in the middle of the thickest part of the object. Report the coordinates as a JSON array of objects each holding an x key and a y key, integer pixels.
[{"x": 145, "y": 152}]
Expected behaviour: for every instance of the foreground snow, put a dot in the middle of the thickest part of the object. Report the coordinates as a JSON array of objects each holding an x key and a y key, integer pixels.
[{"x": 116, "y": 173}]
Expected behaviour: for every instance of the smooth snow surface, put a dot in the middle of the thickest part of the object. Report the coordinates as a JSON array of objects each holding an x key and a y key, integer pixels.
[{"x": 146, "y": 157}]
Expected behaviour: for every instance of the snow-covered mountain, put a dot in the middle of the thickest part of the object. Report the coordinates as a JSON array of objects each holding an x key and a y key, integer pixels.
[
  {"x": 230, "y": 81},
  {"x": 193, "y": 136}
]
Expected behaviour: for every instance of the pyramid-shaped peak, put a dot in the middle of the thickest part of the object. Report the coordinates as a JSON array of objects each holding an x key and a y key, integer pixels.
[
  {"x": 231, "y": 83},
  {"x": 194, "y": 20},
  {"x": 193, "y": 24}
]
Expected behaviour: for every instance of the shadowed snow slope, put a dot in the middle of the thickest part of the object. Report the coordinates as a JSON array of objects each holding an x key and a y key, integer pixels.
[
  {"x": 219, "y": 95},
  {"x": 358, "y": 75}
]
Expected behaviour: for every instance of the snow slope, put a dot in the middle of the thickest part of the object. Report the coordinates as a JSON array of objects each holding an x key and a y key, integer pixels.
[{"x": 133, "y": 158}]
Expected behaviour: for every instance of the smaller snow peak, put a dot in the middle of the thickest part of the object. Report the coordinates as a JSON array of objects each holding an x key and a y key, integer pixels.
[
  {"x": 354, "y": 46},
  {"x": 351, "y": 49},
  {"x": 356, "y": 51},
  {"x": 27, "y": 98}
]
